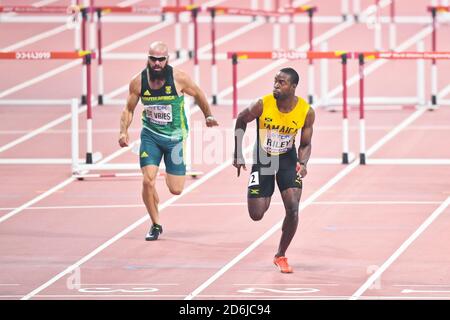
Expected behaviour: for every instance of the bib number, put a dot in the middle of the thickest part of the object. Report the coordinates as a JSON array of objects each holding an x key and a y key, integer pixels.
[{"x": 254, "y": 179}]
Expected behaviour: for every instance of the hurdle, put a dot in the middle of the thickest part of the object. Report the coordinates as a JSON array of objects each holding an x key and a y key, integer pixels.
[
  {"x": 79, "y": 30},
  {"x": 86, "y": 56},
  {"x": 344, "y": 56},
  {"x": 118, "y": 170},
  {"x": 378, "y": 102},
  {"x": 103, "y": 10},
  {"x": 52, "y": 10},
  {"x": 392, "y": 26},
  {"x": 300, "y": 55},
  {"x": 435, "y": 10},
  {"x": 409, "y": 55},
  {"x": 289, "y": 11}
]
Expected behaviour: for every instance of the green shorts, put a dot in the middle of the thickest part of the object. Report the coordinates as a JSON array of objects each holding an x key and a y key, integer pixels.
[{"x": 154, "y": 147}]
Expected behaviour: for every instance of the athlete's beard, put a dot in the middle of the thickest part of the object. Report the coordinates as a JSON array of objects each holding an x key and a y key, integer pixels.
[{"x": 157, "y": 75}]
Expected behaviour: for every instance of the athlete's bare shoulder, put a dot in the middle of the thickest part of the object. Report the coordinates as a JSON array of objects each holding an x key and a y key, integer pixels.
[
  {"x": 135, "y": 84},
  {"x": 182, "y": 80},
  {"x": 180, "y": 75}
]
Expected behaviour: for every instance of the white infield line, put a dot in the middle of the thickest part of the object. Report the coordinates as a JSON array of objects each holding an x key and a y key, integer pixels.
[
  {"x": 37, "y": 199},
  {"x": 221, "y": 204},
  {"x": 401, "y": 249}
]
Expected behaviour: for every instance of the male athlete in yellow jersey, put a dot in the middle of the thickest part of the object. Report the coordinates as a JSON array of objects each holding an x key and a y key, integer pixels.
[{"x": 279, "y": 116}]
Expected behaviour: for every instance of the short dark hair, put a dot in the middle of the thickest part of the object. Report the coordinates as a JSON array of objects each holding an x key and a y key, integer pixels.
[{"x": 293, "y": 75}]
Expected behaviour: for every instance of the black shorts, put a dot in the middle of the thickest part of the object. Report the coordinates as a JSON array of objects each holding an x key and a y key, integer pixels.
[{"x": 262, "y": 178}]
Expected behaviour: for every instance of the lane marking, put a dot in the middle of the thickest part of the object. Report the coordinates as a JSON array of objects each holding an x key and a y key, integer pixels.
[
  {"x": 36, "y": 38},
  {"x": 287, "y": 284},
  {"x": 221, "y": 204},
  {"x": 258, "y": 290},
  {"x": 37, "y": 199},
  {"x": 421, "y": 285},
  {"x": 424, "y": 291},
  {"x": 322, "y": 128},
  {"x": 401, "y": 249},
  {"x": 129, "y": 284}
]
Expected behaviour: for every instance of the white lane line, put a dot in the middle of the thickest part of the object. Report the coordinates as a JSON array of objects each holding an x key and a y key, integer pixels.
[
  {"x": 424, "y": 291},
  {"x": 303, "y": 205},
  {"x": 401, "y": 249},
  {"x": 40, "y": 78},
  {"x": 37, "y": 131},
  {"x": 130, "y": 228},
  {"x": 37, "y": 199},
  {"x": 422, "y": 285},
  {"x": 322, "y": 128},
  {"x": 444, "y": 92},
  {"x": 226, "y": 204},
  {"x": 44, "y": 3},
  {"x": 287, "y": 284},
  {"x": 36, "y": 38}
]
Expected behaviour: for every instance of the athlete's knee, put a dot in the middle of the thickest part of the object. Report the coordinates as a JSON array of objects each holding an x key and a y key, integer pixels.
[
  {"x": 149, "y": 182},
  {"x": 292, "y": 212},
  {"x": 256, "y": 214},
  {"x": 175, "y": 190}
]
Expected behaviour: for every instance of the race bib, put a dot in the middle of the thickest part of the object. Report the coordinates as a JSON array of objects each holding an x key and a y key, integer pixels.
[
  {"x": 276, "y": 143},
  {"x": 159, "y": 114},
  {"x": 254, "y": 179}
]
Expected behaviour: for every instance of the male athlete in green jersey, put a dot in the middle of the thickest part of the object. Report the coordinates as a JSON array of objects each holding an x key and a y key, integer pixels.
[{"x": 161, "y": 89}]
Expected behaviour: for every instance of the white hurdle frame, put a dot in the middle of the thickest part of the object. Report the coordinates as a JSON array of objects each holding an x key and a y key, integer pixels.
[{"x": 82, "y": 170}]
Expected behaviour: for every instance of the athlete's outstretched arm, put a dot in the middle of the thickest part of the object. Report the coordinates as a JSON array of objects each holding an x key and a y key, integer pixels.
[
  {"x": 245, "y": 116},
  {"x": 191, "y": 88},
  {"x": 304, "y": 149},
  {"x": 127, "y": 113}
]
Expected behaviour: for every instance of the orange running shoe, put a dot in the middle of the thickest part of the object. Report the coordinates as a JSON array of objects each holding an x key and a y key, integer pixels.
[{"x": 282, "y": 264}]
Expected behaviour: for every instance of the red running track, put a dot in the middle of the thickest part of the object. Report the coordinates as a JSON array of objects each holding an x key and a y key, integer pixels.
[{"x": 85, "y": 240}]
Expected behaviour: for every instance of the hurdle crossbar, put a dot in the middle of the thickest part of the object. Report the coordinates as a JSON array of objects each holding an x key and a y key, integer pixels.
[
  {"x": 62, "y": 10},
  {"x": 87, "y": 57},
  {"x": 32, "y": 9},
  {"x": 103, "y": 10},
  {"x": 343, "y": 55},
  {"x": 85, "y": 170},
  {"x": 298, "y": 55},
  {"x": 363, "y": 56},
  {"x": 289, "y": 11}
]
